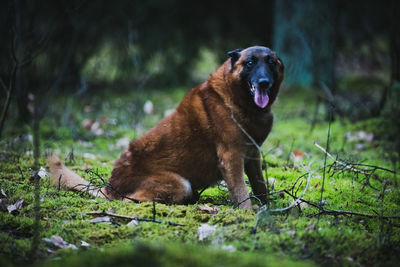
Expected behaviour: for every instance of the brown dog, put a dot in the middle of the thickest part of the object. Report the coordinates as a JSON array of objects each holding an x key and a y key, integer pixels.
[{"x": 209, "y": 137}]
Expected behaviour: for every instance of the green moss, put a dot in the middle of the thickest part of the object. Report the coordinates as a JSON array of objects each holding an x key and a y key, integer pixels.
[
  {"x": 171, "y": 254},
  {"x": 279, "y": 239}
]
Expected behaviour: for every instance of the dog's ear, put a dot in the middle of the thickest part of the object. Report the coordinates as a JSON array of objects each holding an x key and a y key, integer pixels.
[
  {"x": 234, "y": 55},
  {"x": 281, "y": 63}
]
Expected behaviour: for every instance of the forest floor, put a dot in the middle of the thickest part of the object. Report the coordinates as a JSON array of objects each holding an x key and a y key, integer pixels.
[{"x": 346, "y": 210}]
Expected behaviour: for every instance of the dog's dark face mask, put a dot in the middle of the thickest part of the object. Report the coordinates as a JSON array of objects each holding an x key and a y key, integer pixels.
[{"x": 258, "y": 72}]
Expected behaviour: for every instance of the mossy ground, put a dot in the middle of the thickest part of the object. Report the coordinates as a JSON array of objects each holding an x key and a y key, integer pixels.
[{"x": 284, "y": 238}]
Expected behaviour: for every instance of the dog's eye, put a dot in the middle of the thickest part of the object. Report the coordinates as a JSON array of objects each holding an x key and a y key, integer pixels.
[
  {"x": 270, "y": 61},
  {"x": 250, "y": 63}
]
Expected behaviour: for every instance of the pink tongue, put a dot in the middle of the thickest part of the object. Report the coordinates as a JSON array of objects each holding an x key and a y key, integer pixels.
[{"x": 261, "y": 98}]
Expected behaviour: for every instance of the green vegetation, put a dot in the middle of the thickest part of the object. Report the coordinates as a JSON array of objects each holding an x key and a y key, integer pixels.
[{"x": 90, "y": 132}]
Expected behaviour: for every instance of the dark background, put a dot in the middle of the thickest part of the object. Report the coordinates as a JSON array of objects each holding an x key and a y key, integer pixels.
[{"x": 347, "y": 51}]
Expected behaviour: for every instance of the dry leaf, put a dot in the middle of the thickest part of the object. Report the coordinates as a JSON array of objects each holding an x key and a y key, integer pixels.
[
  {"x": 207, "y": 209},
  {"x": 205, "y": 230},
  {"x": 42, "y": 172},
  {"x": 3, "y": 194},
  {"x": 297, "y": 155},
  {"x": 57, "y": 241},
  {"x": 101, "y": 219},
  {"x": 133, "y": 223},
  {"x": 84, "y": 244},
  {"x": 16, "y": 206}
]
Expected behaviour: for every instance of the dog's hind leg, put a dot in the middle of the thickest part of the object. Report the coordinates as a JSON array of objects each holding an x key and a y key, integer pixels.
[{"x": 168, "y": 188}]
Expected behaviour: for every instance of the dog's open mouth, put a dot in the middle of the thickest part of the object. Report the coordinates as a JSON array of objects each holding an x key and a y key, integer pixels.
[{"x": 260, "y": 95}]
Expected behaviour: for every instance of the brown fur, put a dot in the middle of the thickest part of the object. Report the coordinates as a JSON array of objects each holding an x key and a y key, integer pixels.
[{"x": 199, "y": 143}]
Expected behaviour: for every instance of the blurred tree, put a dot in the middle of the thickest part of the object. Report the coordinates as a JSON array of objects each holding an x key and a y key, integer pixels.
[{"x": 305, "y": 37}]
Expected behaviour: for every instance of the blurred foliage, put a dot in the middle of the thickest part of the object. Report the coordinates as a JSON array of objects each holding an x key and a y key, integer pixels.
[{"x": 78, "y": 46}]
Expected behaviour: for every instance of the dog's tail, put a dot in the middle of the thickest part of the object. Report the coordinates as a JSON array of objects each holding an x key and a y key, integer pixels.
[{"x": 64, "y": 178}]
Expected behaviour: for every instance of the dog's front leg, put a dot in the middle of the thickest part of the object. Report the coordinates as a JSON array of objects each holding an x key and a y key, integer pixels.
[
  {"x": 253, "y": 170},
  {"x": 231, "y": 166}
]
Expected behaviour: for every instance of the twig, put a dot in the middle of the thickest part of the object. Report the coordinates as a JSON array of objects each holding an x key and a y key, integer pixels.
[
  {"x": 349, "y": 167},
  {"x": 327, "y": 149},
  {"x": 140, "y": 219},
  {"x": 373, "y": 166},
  {"x": 109, "y": 186},
  {"x": 295, "y": 202},
  {"x": 339, "y": 162},
  {"x": 247, "y": 134},
  {"x": 345, "y": 212},
  {"x": 339, "y": 212}
]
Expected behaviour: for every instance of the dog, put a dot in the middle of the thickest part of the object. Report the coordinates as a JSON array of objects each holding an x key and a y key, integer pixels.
[{"x": 214, "y": 134}]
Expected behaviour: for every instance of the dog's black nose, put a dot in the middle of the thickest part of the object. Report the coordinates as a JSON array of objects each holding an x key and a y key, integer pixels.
[{"x": 264, "y": 82}]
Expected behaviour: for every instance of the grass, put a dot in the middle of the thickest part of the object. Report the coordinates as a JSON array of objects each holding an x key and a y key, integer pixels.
[{"x": 242, "y": 238}]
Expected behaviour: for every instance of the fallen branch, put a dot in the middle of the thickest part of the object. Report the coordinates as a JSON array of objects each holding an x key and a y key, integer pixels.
[
  {"x": 345, "y": 212},
  {"x": 349, "y": 167},
  {"x": 338, "y": 212},
  {"x": 140, "y": 219}
]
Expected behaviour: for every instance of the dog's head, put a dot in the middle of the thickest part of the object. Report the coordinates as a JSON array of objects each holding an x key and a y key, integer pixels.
[{"x": 258, "y": 72}]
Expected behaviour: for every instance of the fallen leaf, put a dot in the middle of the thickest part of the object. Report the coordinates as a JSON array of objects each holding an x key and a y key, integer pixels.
[
  {"x": 84, "y": 244},
  {"x": 3, "y": 194},
  {"x": 297, "y": 155},
  {"x": 96, "y": 128},
  {"x": 42, "y": 172},
  {"x": 205, "y": 230},
  {"x": 133, "y": 223},
  {"x": 15, "y": 207},
  {"x": 101, "y": 219},
  {"x": 57, "y": 241},
  {"x": 207, "y": 209}
]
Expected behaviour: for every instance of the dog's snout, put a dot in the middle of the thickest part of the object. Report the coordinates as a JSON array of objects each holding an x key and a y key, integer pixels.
[{"x": 264, "y": 82}]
